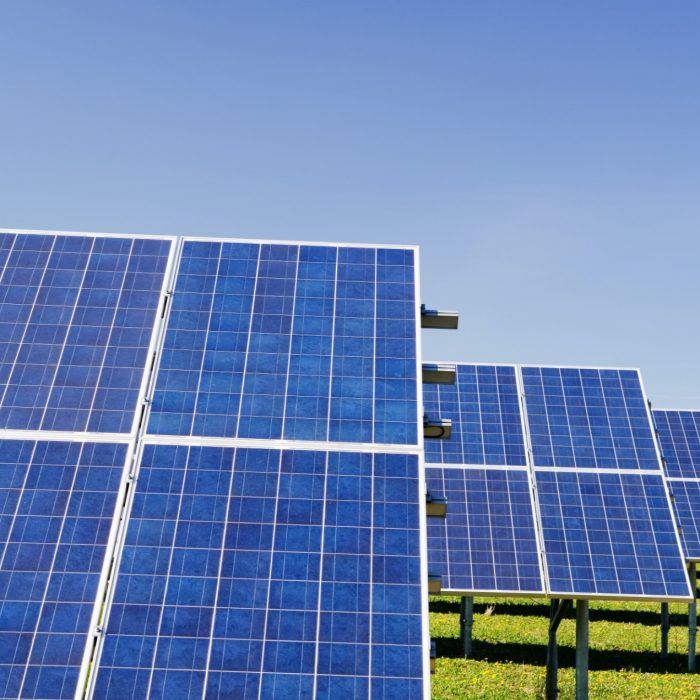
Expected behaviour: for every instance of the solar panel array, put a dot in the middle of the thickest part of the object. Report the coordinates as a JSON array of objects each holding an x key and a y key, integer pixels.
[
  {"x": 220, "y": 495},
  {"x": 601, "y": 521},
  {"x": 679, "y": 440}
]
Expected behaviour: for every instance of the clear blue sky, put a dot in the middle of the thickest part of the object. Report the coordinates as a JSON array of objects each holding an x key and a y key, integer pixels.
[{"x": 545, "y": 155}]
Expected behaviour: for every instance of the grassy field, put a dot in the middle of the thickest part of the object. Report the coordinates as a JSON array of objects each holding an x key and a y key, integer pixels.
[{"x": 510, "y": 639}]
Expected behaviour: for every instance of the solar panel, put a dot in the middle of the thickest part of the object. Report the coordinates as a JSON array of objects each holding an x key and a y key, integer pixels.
[
  {"x": 77, "y": 314},
  {"x": 600, "y": 501},
  {"x": 588, "y": 418},
  {"x": 487, "y": 543},
  {"x": 609, "y": 534},
  {"x": 484, "y": 406},
  {"x": 57, "y": 503},
  {"x": 605, "y": 511},
  {"x": 268, "y": 573},
  {"x": 295, "y": 342},
  {"x": 679, "y": 440}
]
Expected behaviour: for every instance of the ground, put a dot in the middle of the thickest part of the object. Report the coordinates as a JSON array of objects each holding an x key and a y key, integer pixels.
[{"x": 510, "y": 638}]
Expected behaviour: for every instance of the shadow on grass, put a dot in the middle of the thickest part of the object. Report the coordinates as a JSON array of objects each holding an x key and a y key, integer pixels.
[
  {"x": 535, "y": 655},
  {"x": 642, "y": 617}
]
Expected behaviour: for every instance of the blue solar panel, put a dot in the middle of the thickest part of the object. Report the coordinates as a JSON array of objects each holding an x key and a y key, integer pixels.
[
  {"x": 679, "y": 439},
  {"x": 609, "y": 534},
  {"x": 299, "y": 342},
  {"x": 686, "y": 505},
  {"x": 484, "y": 406},
  {"x": 76, "y": 319},
  {"x": 239, "y": 572},
  {"x": 588, "y": 418},
  {"x": 254, "y": 573},
  {"x": 57, "y": 503},
  {"x": 487, "y": 542}
]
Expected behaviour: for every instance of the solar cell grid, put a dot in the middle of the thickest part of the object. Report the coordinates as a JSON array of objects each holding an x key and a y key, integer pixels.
[
  {"x": 252, "y": 573},
  {"x": 76, "y": 319},
  {"x": 484, "y": 406},
  {"x": 488, "y": 541},
  {"x": 588, "y": 418},
  {"x": 609, "y": 534},
  {"x": 261, "y": 573},
  {"x": 296, "y": 342},
  {"x": 606, "y": 518},
  {"x": 57, "y": 502},
  {"x": 679, "y": 440}
]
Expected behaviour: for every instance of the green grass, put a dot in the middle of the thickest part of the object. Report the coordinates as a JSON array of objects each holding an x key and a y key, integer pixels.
[{"x": 510, "y": 639}]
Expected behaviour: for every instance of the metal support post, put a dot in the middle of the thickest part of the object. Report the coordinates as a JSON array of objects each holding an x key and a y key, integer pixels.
[
  {"x": 556, "y": 613},
  {"x": 665, "y": 626},
  {"x": 692, "y": 618},
  {"x": 581, "y": 650},
  {"x": 466, "y": 623}
]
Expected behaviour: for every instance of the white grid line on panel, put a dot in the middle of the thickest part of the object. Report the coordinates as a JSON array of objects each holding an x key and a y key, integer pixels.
[
  {"x": 111, "y": 330},
  {"x": 244, "y": 373},
  {"x": 102, "y": 605},
  {"x": 290, "y": 346},
  {"x": 320, "y": 585},
  {"x": 331, "y": 362},
  {"x": 168, "y": 571},
  {"x": 529, "y": 465},
  {"x": 65, "y": 341},
  {"x": 269, "y": 577},
  {"x": 195, "y": 409},
  {"x": 26, "y": 325},
  {"x": 59, "y": 535}
]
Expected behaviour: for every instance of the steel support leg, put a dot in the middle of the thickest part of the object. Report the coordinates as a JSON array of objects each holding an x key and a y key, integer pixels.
[
  {"x": 665, "y": 626},
  {"x": 692, "y": 618},
  {"x": 581, "y": 650},
  {"x": 556, "y": 613},
  {"x": 466, "y": 623}
]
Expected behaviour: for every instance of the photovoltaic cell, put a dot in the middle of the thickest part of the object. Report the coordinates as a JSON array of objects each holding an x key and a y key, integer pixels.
[
  {"x": 297, "y": 342},
  {"x": 487, "y": 542},
  {"x": 679, "y": 440},
  {"x": 263, "y": 573},
  {"x": 76, "y": 318},
  {"x": 484, "y": 406},
  {"x": 588, "y": 418},
  {"x": 57, "y": 503},
  {"x": 609, "y": 534}
]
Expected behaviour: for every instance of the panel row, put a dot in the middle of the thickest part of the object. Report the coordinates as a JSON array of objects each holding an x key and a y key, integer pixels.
[
  {"x": 275, "y": 341},
  {"x": 583, "y": 418},
  {"x": 594, "y": 488},
  {"x": 286, "y": 573}
]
